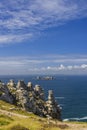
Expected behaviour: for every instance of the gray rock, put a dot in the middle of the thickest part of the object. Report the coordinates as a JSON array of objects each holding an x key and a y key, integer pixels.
[
  {"x": 5, "y": 94},
  {"x": 39, "y": 92},
  {"x": 53, "y": 109},
  {"x": 30, "y": 86},
  {"x": 21, "y": 85},
  {"x": 30, "y": 99},
  {"x": 11, "y": 84}
]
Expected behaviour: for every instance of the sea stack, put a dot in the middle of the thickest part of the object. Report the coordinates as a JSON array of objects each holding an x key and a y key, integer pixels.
[{"x": 53, "y": 109}]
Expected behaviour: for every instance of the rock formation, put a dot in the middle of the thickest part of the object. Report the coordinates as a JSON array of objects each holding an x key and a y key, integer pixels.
[
  {"x": 53, "y": 108},
  {"x": 30, "y": 98}
]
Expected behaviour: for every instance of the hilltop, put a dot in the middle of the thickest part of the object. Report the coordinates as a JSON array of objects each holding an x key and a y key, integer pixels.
[
  {"x": 13, "y": 118},
  {"x": 23, "y": 107}
]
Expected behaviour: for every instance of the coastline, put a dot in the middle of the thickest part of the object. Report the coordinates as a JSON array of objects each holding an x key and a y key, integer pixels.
[
  {"x": 13, "y": 118},
  {"x": 64, "y": 91}
]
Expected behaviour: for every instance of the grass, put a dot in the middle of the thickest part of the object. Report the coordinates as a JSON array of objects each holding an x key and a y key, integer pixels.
[
  {"x": 19, "y": 127},
  {"x": 5, "y": 106},
  {"x": 3, "y": 122},
  {"x": 33, "y": 122},
  {"x": 23, "y": 123}
]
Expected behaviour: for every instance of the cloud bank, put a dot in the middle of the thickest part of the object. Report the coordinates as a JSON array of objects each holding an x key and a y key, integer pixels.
[
  {"x": 58, "y": 64},
  {"x": 22, "y": 19}
]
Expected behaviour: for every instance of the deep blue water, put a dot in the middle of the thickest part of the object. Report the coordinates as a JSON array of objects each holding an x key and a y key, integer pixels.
[{"x": 69, "y": 91}]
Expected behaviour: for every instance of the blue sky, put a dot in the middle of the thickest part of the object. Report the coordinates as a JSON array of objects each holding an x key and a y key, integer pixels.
[{"x": 43, "y": 37}]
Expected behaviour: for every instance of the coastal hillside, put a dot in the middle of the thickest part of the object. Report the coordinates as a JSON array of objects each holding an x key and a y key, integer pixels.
[
  {"x": 30, "y": 98},
  {"x": 13, "y": 118}
]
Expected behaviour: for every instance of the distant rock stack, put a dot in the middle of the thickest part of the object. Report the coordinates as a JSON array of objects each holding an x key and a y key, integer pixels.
[{"x": 52, "y": 106}]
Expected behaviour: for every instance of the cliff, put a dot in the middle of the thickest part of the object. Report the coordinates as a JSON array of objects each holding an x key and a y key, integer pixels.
[{"x": 30, "y": 98}]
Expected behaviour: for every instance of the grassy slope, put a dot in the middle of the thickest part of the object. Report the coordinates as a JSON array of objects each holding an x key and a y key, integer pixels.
[{"x": 11, "y": 121}]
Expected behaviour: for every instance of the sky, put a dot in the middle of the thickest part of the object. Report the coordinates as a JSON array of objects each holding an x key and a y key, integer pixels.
[{"x": 43, "y": 37}]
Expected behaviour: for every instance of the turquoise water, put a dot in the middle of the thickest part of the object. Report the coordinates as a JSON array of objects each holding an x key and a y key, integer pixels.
[{"x": 69, "y": 91}]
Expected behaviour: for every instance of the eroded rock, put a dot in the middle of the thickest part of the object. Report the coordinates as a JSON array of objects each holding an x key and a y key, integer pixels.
[
  {"x": 52, "y": 106},
  {"x": 30, "y": 98}
]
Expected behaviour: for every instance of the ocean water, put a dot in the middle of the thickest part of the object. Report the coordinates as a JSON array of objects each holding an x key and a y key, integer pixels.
[{"x": 69, "y": 91}]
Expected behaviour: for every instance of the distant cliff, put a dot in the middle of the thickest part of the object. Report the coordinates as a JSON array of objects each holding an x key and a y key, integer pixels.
[{"x": 30, "y": 98}]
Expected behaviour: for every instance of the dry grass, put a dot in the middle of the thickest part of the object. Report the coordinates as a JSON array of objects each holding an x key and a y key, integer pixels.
[{"x": 33, "y": 122}]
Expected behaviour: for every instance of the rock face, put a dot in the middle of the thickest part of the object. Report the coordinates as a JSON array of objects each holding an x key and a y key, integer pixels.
[
  {"x": 53, "y": 108},
  {"x": 30, "y": 98},
  {"x": 5, "y": 93}
]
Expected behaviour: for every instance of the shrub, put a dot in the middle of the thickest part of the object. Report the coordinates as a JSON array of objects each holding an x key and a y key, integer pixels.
[
  {"x": 18, "y": 127},
  {"x": 4, "y": 122}
]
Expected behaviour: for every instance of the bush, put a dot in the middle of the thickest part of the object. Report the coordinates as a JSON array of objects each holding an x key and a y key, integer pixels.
[
  {"x": 18, "y": 127},
  {"x": 4, "y": 122},
  {"x": 1, "y": 93}
]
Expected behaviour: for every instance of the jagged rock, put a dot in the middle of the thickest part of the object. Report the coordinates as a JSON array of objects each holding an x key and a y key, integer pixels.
[
  {"x": 39, "y": 92},
  {"x": 21, "y": 85},
  {"x": 11, "y": 84},
  {"x": 5, "y": 93},
  {"x": 30, "y": 86},
  {"x": 21, "y": 98},
  {"x": 30, "y": 99},
  {"x": 52, "y": 106}
]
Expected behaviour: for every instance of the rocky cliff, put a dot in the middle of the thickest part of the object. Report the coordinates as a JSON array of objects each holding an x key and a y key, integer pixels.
[{"x": 30, "y": 98}]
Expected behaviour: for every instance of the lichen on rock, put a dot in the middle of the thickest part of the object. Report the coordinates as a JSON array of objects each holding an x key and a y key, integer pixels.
[{"x": 30, "y": 98}]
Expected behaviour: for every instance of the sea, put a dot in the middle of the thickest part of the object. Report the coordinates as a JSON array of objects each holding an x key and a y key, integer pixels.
[{"x": 70, "y": 92}]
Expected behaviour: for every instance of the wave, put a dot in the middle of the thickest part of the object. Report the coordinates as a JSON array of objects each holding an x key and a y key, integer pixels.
[
  {"x": 76, "y": 119},
  {"x": 59, "y": 97}
]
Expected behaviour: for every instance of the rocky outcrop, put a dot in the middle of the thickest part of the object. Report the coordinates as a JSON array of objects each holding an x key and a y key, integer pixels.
[
  {"x": 5, "y": 93},
  {"x": 30, "y": 98},
  {"x": 53, "y": 108}
]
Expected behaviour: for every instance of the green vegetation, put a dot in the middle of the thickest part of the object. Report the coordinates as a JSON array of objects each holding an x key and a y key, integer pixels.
[
  {"x": 16, "y": 119},
  {"x": 1, "y": 93},
  {"x": 3, "y": 122},
  {"x": 19, "y": 127}
]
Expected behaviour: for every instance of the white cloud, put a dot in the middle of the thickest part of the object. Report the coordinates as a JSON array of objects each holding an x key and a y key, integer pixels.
[
  {"x": 61, "y": 67},
  {"x": 26, "y": 17},
  {"x": 14, "y": 38},
  {"x": 33, "y": 65},
  {"x": 84, "y": 66},
  {"x": 68, "y": 67}
]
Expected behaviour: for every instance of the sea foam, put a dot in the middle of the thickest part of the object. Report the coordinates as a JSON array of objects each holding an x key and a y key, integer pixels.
[{"x": 76, "y": 119}]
